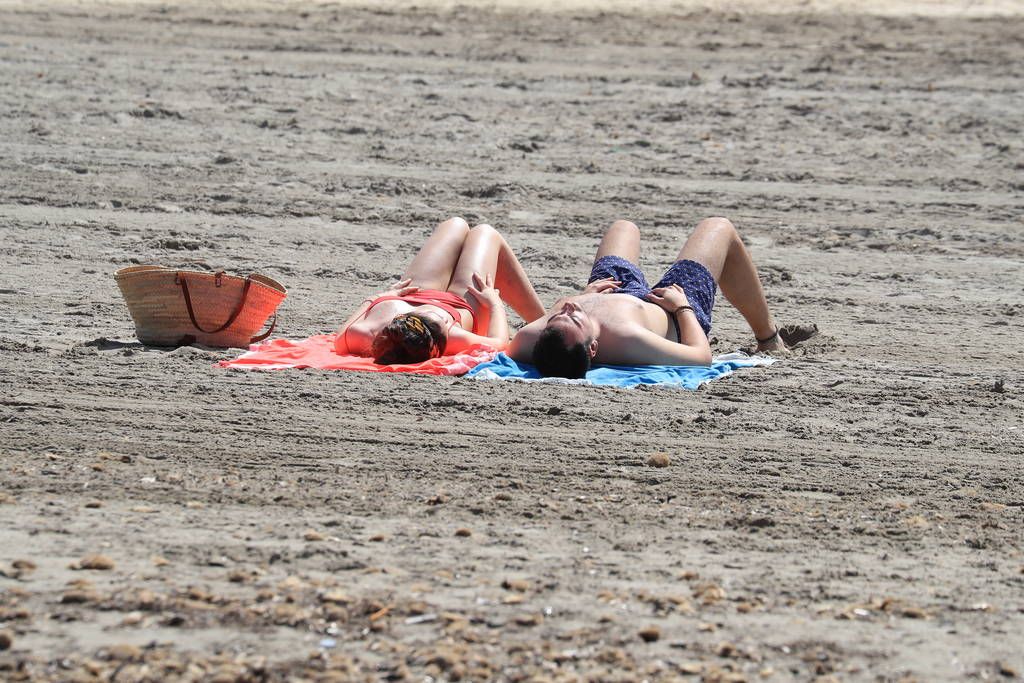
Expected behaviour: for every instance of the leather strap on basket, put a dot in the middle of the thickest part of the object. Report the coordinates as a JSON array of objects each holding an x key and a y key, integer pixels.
[
  {"x": 235, "y": 314},
  {"x": 261, "y": 337}
]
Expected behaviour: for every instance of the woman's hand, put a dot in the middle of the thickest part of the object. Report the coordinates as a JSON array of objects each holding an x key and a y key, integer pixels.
[
  {"x": 670, "y": 298},
  {"x": 484, "y": 292},
  {"x": 401, "y": 288},
  {"x": 604, "y": 286}
]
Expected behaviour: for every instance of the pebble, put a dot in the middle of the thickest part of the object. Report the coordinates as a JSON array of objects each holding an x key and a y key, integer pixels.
[
  {"x": 529, "y": 619},
  {"x": 421, "y": 619},
  {"x": 290, "y": 583},
  {"x": 709, "y": 593},
  {"x": 14, "y": 613},
  {"x": 78, "y": 597},
  {"x": 18, "y": 569},
  {"x": 650, "y": 634},
  {"x": 516, "y": 585},
  {"x": 147, "y": 599},
  {"x": 6, "y": 640},
  {"x": 337, "y": 597},
  {"x": 313, "y": 536},
  {"x": 97, "y": 562},
  {"x": 381, "y": 613},
  {"x": 238, "y": 576},
  {"x": 1004, "y": 668},
  {"x": 133, "y": 619},
  {"x": 463, "y": 532},
  {"x": 94, "y": 504},
  {"x": 124, "y": 652},
  {"x": 658, "y": 460}
]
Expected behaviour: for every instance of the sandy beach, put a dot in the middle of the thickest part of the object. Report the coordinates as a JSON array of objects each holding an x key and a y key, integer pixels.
[{"x": 851, "y": 513}]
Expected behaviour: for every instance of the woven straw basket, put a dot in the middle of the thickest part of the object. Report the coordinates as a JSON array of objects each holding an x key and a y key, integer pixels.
[{"x": 181, "y": 307}]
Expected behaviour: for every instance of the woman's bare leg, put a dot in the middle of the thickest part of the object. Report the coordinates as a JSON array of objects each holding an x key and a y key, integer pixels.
[
  {"x": 622, "y": 239},
  {"x": 487, "y": 253},
  {"x": 433, "y": 266},
  {"x": 716, "y": 244}
]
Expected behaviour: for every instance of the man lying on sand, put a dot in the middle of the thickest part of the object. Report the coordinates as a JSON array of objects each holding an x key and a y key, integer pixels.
[
  {"x": 619, "y": 320},
  {"x": 447, "y": 301}
]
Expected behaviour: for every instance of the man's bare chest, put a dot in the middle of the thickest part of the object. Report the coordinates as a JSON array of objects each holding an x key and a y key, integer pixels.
[{"x": 618, "y": 311}]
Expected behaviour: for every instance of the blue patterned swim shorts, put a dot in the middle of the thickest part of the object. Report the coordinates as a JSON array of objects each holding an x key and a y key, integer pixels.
[{"x": 693, "y": 277}]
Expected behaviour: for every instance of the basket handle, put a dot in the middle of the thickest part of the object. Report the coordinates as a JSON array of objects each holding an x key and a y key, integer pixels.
[
  {"x": 261, "y": 337},
  {"x": 238, "y": 309}
]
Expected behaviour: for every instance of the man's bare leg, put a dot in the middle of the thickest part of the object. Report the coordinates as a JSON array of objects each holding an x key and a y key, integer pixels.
[
  {"x": 621, "y": 239},
  {"x": 487, "y": 253},
  {"x": 716, "y": 244},
  {"x": 433, "y": 266}
]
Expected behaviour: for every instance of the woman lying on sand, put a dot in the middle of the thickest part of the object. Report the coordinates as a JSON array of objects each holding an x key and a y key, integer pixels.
[{"x": 447, "y": 301}]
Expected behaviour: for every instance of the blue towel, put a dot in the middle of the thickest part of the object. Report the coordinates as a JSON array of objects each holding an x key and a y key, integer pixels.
[{"x": 682, "y": 376}]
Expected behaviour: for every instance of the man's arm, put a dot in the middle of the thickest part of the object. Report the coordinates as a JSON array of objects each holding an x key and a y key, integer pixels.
[
  {"x": 640, "y": 346},
  {"x": 693, "y": 347}
]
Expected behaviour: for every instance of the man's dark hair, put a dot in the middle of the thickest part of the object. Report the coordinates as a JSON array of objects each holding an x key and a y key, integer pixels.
[
  {"x": 553, "y": 356},
  {"x": 409, "y": 338}
]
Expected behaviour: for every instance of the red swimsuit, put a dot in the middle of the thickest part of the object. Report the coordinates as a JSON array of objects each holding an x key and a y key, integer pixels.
[{"x": 446, "y": 301}]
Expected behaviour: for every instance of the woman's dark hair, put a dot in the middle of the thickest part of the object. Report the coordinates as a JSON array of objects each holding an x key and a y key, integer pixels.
[
  {"x": 409, "y": 338},
  {"x": 554, "y": 356}
]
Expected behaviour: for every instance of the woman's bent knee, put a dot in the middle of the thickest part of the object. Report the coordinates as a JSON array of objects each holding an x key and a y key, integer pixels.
[
  {"x": 717, "y": 222},
  {"x": 457, "y": 221},
  {"x": 484, "y": 231}
]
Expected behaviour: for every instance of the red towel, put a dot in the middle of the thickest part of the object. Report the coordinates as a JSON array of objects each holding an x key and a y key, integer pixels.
[{"x": 318, "y": 352}]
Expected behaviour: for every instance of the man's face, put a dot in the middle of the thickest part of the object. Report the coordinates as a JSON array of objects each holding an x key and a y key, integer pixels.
[{"x": 573, "y": 322}]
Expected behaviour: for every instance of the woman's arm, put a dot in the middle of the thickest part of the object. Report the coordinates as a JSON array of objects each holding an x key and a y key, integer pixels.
[
  {"x": 491, "y": 318},
  {"x": 400, "y": 289},
  {"x": 459, "y": 340},
  {"x": 521, "y": 346},
  {"x": 341, "y": 345}
]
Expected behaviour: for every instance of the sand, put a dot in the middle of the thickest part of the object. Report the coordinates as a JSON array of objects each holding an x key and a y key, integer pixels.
[{"x": 852, "y": 513}]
